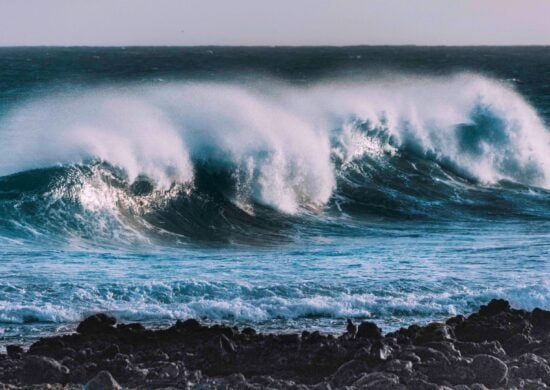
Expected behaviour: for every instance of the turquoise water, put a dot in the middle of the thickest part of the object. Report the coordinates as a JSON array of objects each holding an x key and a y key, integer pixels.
[{"x": 285, "y": 189}]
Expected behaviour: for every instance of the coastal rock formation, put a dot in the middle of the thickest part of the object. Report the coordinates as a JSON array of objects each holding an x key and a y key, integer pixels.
[{"x": 497, "y": 348}]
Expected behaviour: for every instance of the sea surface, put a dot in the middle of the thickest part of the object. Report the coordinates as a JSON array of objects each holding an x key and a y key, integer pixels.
[{"x": 282, "y": 188}]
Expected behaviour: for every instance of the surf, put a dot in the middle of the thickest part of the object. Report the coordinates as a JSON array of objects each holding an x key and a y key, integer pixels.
[{"x": 142, "y": 158}]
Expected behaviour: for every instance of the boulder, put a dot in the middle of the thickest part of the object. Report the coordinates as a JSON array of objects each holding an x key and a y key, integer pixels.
[
  {"x": 102, "y": 381},
  {"x": 532, "y": 366},
  {"x": 369, "y": 330},
  {"x": 96, "y": 323},
  {"x": 41, "y": 369},
  {"x": 489, "y": 370},
  {"x": 14, "y": 351},
  {"x": 494, "y": 307}
]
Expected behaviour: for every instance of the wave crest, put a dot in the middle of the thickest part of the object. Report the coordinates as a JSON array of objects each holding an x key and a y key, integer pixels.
[{"x": 236, "y": 149}]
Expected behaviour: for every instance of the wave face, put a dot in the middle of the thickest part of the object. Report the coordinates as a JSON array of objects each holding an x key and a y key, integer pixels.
[{"x": 143, "y": 160}]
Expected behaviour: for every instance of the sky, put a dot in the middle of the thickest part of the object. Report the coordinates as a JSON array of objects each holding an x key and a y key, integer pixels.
[{"x": 276, "y": 22}]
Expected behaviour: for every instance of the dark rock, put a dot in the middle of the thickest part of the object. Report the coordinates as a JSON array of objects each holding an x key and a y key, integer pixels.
[
  {"x": 367, "y": 380},
  {"x": 369, "y": 330},
  {"x": 110, "y": 352},
  {"x": 96, "y": 323},
  {"x": 478, "y": 386},
  {"x": 248, "y": 332},
  {"x": 380, "y": 351},
  {"x": 489, "y": 370},
  {"x": 188, "y": 325},
  {"x": 495, "y": 328},
  {"x": 410, "y": 356},
  {"x": 226, "y": 345},
  {"x": 351, "y": 328},
  {"x": 289, "y": 339},
  {"x": 41, "y": 369},
  {"x": 460, "y": 353},
  {"x": 402, "y": 368},
  {"x": 379, "y": 382},
  {"x": 68, "y": 353},
  {"x": 14, "y": 351},
  {"x": 532, "y": 366},
  {"x": 427, "y": 354},
  {"x": 420, "y": 384},
  {"x": 454, "y": 321},
  {"x": 517, "y": 344},
  {"x": 103, "y": 381},
  {"x": 133, "y": 327},
  {"x": 485, "y": 348},
  {"x": 444, "y": 347},
  {"x": 434, "y": 332},
  {"x": 348, "y": 372},
  {"x": 541, "y": 319},
  {"x": 494, "y": 307},
  {"x": 443, "y": 372}
]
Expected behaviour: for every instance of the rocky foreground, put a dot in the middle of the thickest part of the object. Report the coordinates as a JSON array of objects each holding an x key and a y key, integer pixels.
[{"x": 497, "y": 347}]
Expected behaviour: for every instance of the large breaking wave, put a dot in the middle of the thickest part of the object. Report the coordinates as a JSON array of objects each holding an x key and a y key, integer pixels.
[{"x": 218, "y": 160}]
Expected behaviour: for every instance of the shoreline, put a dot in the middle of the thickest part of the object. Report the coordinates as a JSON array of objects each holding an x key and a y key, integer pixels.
[{"x": 496, "y": 347}]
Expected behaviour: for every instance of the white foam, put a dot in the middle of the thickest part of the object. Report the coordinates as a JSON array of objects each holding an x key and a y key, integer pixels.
[{"x": 281, "y": 142}]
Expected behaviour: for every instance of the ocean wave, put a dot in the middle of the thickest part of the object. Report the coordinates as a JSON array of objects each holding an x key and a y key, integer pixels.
[{"x": 205, "y": 160}]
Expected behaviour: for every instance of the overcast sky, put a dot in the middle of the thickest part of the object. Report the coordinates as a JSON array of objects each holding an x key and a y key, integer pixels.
[{"x": 277, "y": 22}]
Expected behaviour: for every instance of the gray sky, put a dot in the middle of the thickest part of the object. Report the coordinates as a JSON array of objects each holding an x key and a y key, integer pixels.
[{"x": 277, "y": 22}]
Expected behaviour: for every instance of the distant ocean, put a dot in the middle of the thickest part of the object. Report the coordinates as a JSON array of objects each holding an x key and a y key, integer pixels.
[{"x": 282, "y": 188}]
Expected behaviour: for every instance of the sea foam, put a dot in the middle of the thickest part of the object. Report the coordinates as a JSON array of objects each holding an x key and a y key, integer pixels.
[{"x": 284, "y": 146}]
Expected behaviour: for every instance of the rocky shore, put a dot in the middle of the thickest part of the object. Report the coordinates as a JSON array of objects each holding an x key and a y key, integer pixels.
[{"x": 497, "y": 347}]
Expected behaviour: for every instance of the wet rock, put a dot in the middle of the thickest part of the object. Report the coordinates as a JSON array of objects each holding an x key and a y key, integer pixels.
[
  {"x": 494, "y": 307},
  {"x": 541, "y": 319},
  {"x": 480, "y": 329},
  {"x": 351, "y": 328},
  {"x": 489, "y": 370},
  {"x": 454, "y": 321},
  {"x": 190, "y": 325},
  {"x": 434, "y": 332},
  {"x": 368, "y": 330},
  {"x": 41, "y": 369},
  {"x": 496, "y": 348},
  {"x": 249, "y": 332},
  {"x": 103, "y": 381},
  {"x": 132, "y": 328},
  {"x": 96, "y": 323},
  {"x": 14, "y": 351}
]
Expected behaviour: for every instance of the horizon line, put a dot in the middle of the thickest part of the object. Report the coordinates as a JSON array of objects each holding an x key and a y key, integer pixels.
[{"x": 276, "y": 46}]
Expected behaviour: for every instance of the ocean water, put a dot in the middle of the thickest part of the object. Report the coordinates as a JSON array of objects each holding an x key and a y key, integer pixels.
[{"x": 282, "y": 188}]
